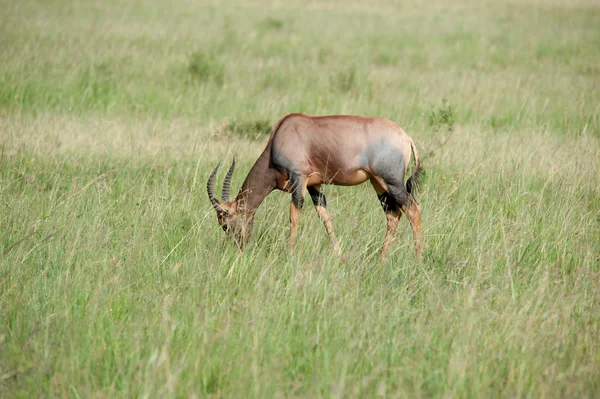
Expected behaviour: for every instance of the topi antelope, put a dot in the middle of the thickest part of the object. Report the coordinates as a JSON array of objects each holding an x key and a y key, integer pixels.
[{"x": 304, "y": 152}]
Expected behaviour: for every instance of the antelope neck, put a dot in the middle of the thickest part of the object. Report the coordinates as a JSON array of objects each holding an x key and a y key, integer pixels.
[{"x": 259, "y": 183}]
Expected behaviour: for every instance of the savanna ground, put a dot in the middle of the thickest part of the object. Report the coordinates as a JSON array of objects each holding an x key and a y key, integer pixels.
[{"x": 116, "y": 281}]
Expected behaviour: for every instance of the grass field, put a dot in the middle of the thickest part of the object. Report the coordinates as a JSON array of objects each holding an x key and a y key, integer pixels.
[{"x": 116, "y": 280}]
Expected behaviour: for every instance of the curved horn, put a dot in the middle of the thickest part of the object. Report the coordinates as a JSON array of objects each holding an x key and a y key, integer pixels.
[
  {"x": 227, "y": 182},
  {"x": 210, "y": 187}
]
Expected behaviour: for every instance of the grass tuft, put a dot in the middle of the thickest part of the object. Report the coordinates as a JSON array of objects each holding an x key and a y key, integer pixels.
[
  {"x": 345, "y": 80},
  {"x": 249, "y": 129},
  {"x": 204, "y": 67},
  {"x": 271, "y": 23}
]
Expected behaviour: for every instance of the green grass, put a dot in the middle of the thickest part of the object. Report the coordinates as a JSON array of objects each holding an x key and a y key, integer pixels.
[{"x": 115, "y": 279}]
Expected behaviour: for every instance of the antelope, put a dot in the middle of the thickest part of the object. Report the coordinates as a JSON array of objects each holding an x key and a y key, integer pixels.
[{"x": 306, "y": 152}]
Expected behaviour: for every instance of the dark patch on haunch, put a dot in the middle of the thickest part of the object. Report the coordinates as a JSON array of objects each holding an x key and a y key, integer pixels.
[
  {"x": 384, "y": 159},
  {"x": 387, "y": 162},
  {"x": 318, "y": 197}
]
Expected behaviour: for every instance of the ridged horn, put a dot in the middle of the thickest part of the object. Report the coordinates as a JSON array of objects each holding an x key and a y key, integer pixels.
[
  {"x": 227, "y": 182},
  {"x": 210, "y": 187}
]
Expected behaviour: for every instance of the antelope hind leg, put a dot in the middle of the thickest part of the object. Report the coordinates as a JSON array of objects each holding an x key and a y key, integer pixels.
[
  {"x": 413, "y": 213},
  {"x": 392, "y": 218},
  {"x": 392, "y": 214}
]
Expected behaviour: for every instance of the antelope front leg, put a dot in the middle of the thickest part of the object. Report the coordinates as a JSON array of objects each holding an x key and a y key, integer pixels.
[
  {"x": 326, "y": 218},
  {"x": 318, "y": 198},
  {"x": 294, "y": 218},
  {"x": 296, "y": 206}
]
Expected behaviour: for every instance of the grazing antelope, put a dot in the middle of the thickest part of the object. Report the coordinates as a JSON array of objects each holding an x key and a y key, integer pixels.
[{"x": 305, "y": 152}]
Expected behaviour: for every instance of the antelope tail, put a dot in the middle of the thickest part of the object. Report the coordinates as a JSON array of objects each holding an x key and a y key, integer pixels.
[{"x": 413, "y": 182}]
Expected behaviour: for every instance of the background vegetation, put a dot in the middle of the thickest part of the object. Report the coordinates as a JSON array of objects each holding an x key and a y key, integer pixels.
[{"x": 115, "y": 279}]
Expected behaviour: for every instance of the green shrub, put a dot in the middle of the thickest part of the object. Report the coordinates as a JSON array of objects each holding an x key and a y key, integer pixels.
[
  {"x": 442, "y": 115},
  {"x": 205, "y": 67}
]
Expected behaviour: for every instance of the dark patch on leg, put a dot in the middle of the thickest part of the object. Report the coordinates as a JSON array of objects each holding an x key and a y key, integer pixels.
[
  {"x": 399, "y": 194},
  {"x": 318, "y": 197},
  {"x": 297, "y": 198},
  {"x": 387, "y": 202}
]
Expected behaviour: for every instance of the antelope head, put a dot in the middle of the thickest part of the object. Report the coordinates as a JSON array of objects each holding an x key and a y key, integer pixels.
[{"x": 231, "y": 221}]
